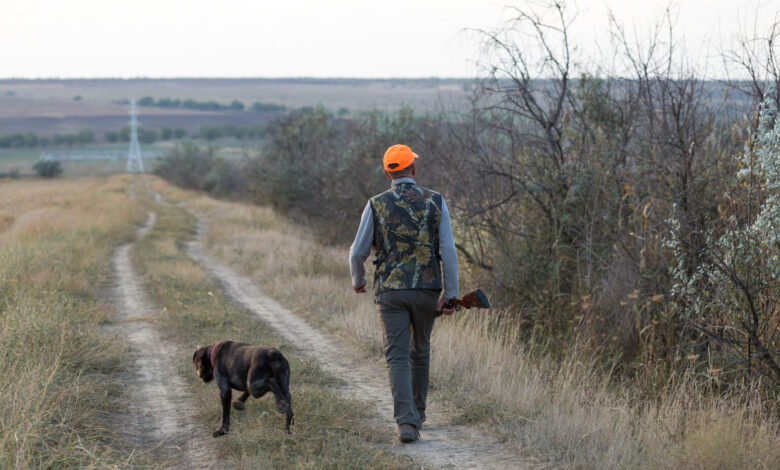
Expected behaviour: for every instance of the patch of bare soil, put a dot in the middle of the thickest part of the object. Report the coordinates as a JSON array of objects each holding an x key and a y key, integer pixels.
[
  {"x": 442, "y": 445},
  {"x": 158, "y": 421}
]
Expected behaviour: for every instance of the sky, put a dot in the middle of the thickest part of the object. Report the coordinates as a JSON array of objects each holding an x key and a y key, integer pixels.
[{"x": 317, "y": 38}]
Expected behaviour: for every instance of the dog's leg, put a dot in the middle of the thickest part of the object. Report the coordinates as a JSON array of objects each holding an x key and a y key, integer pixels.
[
  {"x": 224, "y": 395},
  {"x": 280, "y": 386},
  {"x": 239, "y": 404},
  {"x": 289, "y": 421},
  {"x": 283, "y": 402}
]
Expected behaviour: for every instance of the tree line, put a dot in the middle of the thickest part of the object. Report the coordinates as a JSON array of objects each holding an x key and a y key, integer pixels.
[
  {"x": 145, "y": 136},
  {"x": 210, "y": 105},
  {"x": 31, "y": 140}
]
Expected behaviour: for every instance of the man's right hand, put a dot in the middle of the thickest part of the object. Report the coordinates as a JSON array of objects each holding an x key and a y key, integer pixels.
[
  {"x": 445, "y": 311},
  {"x": 359, "y": 290}
]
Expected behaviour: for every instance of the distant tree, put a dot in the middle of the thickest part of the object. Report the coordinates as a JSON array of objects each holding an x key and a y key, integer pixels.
[
  {"x": 257, "y": 132},
  {"x": 267, "y": 108},
  {"x": 86, "y": 136},
  {"x": 48, "y": 169},
  {"x": 147, "y": 136},
  {"x": 343, "y": 111},
  {"x": 168, "y": 103},
  {"x": 30, "y": 140},
  {"x": 111, "y": 136},
  {"x": 77, "y": 98},
  {"x": 210, "y": 132},
  {"x": 236, "y": 105},
  {"x": 146, "y": 101},
  {"x": 230, "y": 130},
  {"x": 65, "y": 139},
  {"x": 44, "y": 141},
  {"x": 178, "y": 133},
  {"x": 16, "y": 140},
  {"x": 124, "y": 134},
  {"x": 165, "y": 133}
]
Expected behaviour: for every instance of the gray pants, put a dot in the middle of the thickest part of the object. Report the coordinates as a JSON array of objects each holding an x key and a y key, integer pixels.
[{"x": 407, "y": 320}]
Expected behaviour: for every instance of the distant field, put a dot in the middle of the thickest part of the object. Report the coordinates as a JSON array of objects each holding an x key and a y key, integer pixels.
[
  {"x": 333, "y": 93},
  {"x": 48, "y": 117},
  {"x": 49, "y": 107}
]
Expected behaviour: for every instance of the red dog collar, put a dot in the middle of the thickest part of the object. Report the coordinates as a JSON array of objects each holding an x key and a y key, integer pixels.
[{"x": 211, "y": 353}]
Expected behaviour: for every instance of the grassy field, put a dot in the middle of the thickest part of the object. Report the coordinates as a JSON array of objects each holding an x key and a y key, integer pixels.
[
  {"x": 569, "y": 411},
  {"x": 56, "y": 238},
  {"x": 55, "y": 244},
  {"x": 61, "y": 406}
]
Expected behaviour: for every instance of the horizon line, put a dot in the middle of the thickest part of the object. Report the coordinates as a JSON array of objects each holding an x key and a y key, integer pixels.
[{"x": 300, "y": 77}]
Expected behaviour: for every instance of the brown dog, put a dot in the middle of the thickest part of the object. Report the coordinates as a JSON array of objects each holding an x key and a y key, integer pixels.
[{"x": 253, "y": 370}]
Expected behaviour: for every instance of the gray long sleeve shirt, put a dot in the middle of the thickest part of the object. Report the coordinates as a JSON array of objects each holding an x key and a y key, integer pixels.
[{"x": 361, "y": 248}]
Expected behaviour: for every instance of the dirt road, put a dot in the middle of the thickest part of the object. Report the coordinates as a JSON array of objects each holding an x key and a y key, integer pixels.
[
  {"x": 158, "y": 420},
  {"x": 442, "y": 445}
]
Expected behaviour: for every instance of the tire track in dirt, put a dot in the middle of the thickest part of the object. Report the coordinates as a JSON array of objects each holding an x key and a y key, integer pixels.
[
  {"x": 157, "y": 422},
  {"x": 442, "y": 445}
]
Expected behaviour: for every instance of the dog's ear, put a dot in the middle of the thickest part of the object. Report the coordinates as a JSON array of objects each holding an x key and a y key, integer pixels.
[{"x": 198, "y": 356}]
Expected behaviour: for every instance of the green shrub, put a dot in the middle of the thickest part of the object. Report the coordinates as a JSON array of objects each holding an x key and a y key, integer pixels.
[{"x": 48, "y": 168}]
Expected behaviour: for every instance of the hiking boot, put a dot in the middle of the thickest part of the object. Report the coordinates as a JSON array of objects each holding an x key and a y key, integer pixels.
[{"x": 407, "y": 433}]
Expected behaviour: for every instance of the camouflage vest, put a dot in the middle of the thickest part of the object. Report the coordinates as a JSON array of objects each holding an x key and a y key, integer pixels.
[{"x": 406, "y": 236}]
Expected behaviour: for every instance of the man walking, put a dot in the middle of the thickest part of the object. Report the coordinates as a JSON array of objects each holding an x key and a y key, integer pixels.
[{"x": 409, "y": 227}]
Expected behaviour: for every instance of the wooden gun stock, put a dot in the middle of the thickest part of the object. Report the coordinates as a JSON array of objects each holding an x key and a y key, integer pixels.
[{"x": 475, "y": 298}]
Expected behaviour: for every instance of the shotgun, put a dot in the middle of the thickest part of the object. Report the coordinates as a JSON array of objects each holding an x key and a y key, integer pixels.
[{"x": 475, "y": 298}]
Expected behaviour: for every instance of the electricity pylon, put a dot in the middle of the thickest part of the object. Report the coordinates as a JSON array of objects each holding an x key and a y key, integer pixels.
[{"x": 135, "y": 164}]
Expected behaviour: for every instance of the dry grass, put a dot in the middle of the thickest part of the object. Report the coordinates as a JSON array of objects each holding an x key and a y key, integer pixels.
[
  {"x": 568, "y": 411},
  {"x": 55, "y": 241}
]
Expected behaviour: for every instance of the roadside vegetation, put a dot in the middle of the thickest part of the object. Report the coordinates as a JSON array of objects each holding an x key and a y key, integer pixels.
[
  {"x": 599, "y": 207},
  {"x": 562, "y": 406},
  {"x": 330, "y": 431},
  {"x": 623, "y": 219},
  {"x": 55, "y": 243}
]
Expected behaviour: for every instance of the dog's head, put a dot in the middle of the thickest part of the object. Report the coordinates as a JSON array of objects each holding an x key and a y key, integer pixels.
[{"x": 203, "y": 364}]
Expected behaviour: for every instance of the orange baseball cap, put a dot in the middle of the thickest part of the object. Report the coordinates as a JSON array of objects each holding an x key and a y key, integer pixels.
[{"x": 398, "y": 157}]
